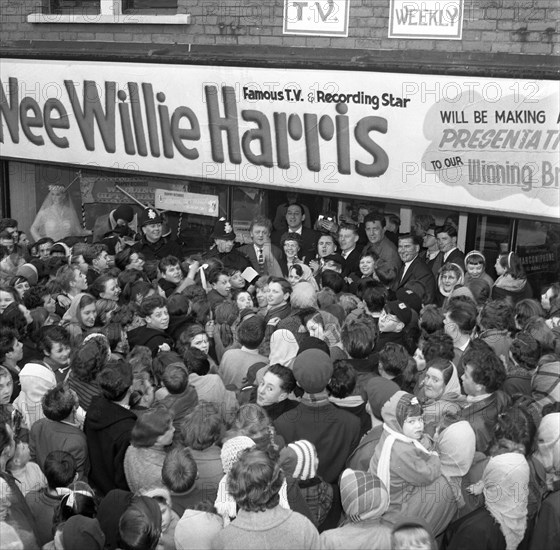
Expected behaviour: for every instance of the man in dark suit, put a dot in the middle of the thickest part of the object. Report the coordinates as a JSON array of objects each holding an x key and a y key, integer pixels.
[
  {"x": 263, "y": 255},
  {"x": 446, "y": 236},
  {"x": 414, "y": 274},
  {"x": 349, "y": 249},
  {"x": 295, "y": 217}
]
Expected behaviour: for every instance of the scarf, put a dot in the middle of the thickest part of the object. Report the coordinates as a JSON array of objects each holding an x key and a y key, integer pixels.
[
  {"x": 509, "y": 283},
  {"x": 384, "y": 465},
  {"x": 548, "y": 452},
  {"x": 506, "y": 481},
  {"x": 225, "y": 503},
  {"x": 227, "y": 507}
]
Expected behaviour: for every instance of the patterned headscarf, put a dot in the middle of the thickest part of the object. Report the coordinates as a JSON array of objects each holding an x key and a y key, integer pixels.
[{"x": 363, "y": 495}]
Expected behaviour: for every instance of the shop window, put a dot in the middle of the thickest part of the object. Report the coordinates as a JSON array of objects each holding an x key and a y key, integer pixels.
[
  {"x": 136, "y": 5},
  {"x": 117, "y": 6},
  {"x": 538, "y": 246},
  {"x": 142, "y": 12}
]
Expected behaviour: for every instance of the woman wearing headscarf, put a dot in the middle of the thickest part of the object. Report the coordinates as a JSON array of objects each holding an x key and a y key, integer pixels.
[
  {"x": 449, "y": 277},
  {"x": 302, "y": 273},
  {"x": 364, "y": 500},
  {"x": 36, "y": 380},
  {"x": 503, "y": 520},
  {"x": 547, "y": 526},
  {"x": 455, "y": 444},
  {"x": 439, "y": 393}
]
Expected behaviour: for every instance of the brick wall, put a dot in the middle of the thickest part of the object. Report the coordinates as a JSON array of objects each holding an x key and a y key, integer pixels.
[{"x": 490, "y": 26}]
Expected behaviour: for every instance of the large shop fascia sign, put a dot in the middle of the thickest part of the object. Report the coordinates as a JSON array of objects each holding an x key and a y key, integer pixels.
[
  {"x": 484, "y": 144},
  {"x": 426, "y": 19}
]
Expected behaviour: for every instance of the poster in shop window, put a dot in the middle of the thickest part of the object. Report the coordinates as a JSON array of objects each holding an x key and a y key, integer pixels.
[
  {"x": 426, "y": 19},
  {"x": 316, "y": 17},
  {"x": 485, "y": 144}
]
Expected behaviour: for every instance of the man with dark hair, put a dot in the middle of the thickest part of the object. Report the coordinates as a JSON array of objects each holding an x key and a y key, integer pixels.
[
  {"x": 220, "y": 287},
  {"x": 60, "y": 430},
  {"x": 446, "y": 236},
  {"x": 121, "y": 219},
  {"x": 277, "y": 384},
  {"x": 333, "y": 280},
  {"x": 414, "y": 274},
  {"x": 182, "y": 398},
  {"x": 97, "y": 258},
  {"x": 108, "y": 425},
  {"x": 482, "y": 379},
  {"x": 374, "y": 224},
  {"x": 236, "y": 362},
  {"x": 173, "y": 280},
  {"x": 458, "y": 322},
  {"x": 60, "y": 470},
  {"x": 10, "y": 225},
  {"x": 358, "y": 339},
  {"x": 374, "y": 299},
  {"x": 295, "y": 216}
]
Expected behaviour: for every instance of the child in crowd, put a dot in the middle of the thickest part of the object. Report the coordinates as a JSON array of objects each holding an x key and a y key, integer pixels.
[
  {"x": 403, "y": 458},
  {"x": 475, "y": 268}
]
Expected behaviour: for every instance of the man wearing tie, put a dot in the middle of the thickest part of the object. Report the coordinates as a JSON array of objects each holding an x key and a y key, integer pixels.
[
  {"x": 414, "y": 274},
  {"x": 264, "y": 256},
  {"x": 295, "y": 216}
]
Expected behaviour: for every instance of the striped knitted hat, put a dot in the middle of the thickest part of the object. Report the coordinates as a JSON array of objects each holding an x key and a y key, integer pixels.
[
  {"x": 306, "y": 461},
  {"x": 363, "y": 495}
]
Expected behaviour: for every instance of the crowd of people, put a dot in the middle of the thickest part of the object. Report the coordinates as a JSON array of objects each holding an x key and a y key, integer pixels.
[{"x": 327, "y": 385}]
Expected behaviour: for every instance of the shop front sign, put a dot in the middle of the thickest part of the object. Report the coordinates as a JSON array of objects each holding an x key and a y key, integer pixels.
[{"x": 466, "y": 142}]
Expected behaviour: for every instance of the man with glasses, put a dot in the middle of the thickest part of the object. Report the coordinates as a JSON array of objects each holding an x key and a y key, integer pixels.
[{"x": 414, "y": 274}]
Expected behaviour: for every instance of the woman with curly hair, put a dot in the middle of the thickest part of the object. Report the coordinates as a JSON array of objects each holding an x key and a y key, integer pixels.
[
  {"x": 449, "y": 277},
  {"x": 89, "y": 360},
  {"x": 80, "y": 318},
  {"x": 254, "y": 482}
]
